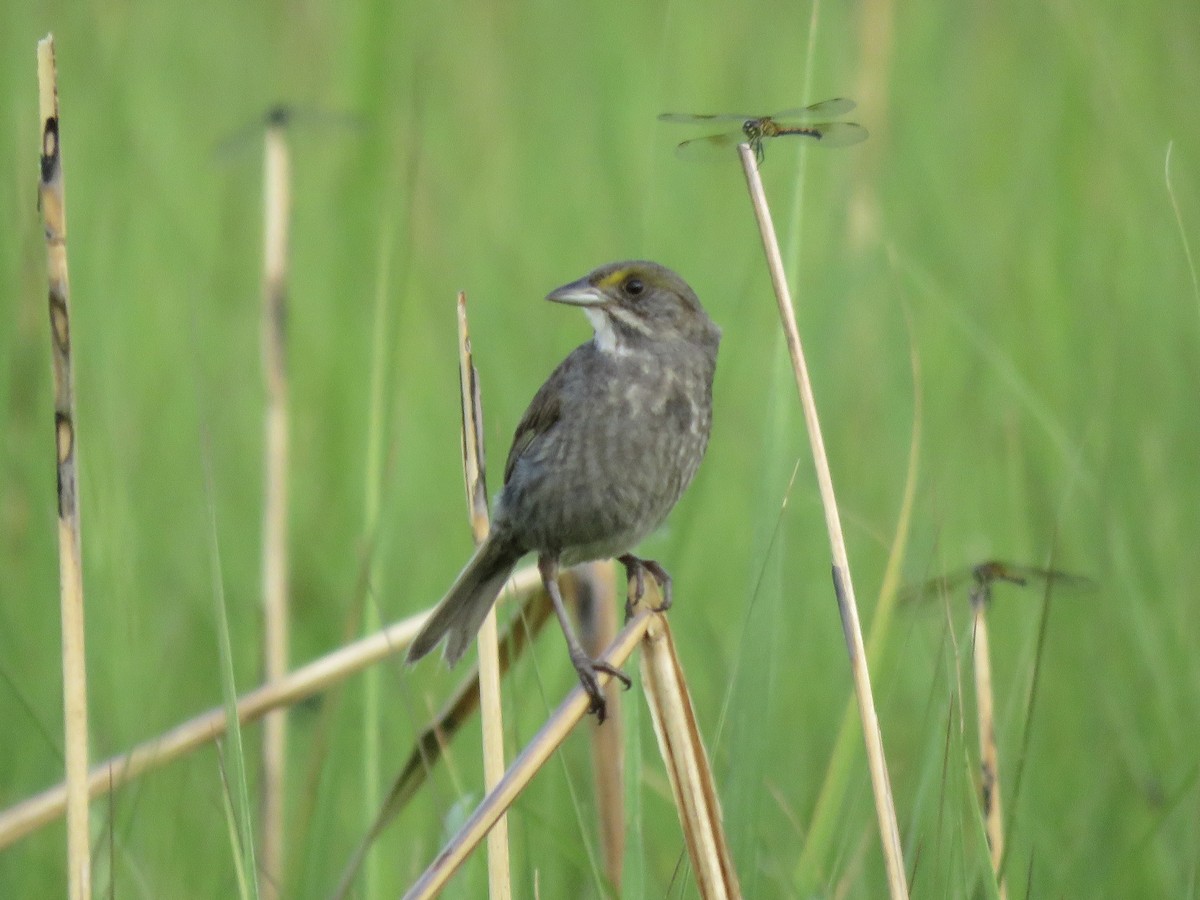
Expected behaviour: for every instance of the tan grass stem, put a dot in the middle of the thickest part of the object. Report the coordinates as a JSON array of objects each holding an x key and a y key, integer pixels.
[
  {"x": 276, "y": 624},
  {"x": 598, "y": 627},
  {"x": 989, "y": 757},
  {"x": 687, "y": 764},
  {"x": 34, "y": 812},
  {"x": 837, "y": 776},
  {"x": 431, "y": 745},
  {"x": 52, "y": 200},
  {"x": 491, "y": 709},
  {"x": 893, "y": 852}
]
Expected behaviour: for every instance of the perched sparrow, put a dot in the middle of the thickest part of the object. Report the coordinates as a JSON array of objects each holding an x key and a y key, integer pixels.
[{"x": 601, "y": 456}]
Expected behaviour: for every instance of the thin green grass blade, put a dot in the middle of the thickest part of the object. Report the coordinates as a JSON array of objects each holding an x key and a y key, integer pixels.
[{"x": 237, "y": 793}]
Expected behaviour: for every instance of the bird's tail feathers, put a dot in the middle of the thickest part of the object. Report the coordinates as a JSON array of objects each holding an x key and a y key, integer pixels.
[{"x": 462, "y": 611}]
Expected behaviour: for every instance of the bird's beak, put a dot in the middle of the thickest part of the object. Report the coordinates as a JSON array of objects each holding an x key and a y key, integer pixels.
[{"x": 578, "y": 293}]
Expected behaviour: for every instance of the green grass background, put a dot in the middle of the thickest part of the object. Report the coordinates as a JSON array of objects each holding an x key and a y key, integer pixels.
[{"x": 1008, "y": 223}]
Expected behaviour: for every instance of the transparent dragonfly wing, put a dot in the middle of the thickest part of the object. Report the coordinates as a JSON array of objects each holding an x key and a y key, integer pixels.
[
  {"x": 703, "y": 118},
  {"x": 838, "y": 106},
  {"x": 934, "y": 588},
  {"x": 709, "y": 146}
]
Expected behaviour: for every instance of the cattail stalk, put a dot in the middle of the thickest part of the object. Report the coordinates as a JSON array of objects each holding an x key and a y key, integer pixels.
[
  {"x": 989, "y": 756},
  {"x": 52, "y": 199}
]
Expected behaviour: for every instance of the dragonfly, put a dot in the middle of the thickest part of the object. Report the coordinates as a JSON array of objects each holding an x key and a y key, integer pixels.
[
  {"x": 805, "y": 121},
  {"x": 280, "y": 116},
  {"x": 986, "y": 574}
]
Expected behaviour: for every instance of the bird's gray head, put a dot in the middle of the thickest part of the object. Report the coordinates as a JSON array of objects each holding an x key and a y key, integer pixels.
[{"x": 637, "y": 303}]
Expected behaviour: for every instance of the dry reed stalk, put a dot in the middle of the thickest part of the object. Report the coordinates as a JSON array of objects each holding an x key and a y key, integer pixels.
[
  {"x": 32, "y": 813},
  {"x": 430, "y": 746},
  {"x": 983, "y": 576},
  {"x": 598, "y": 627},
  {"x": 687, "y": 764},
  {"x": 276, "y": 624},
  {"x": 893, "y": 852},
  {"x": 989, "y": 758},
  {"x": 833, "y": 786},
  {"x": 1053, "y": 579},
  {"x": 524, "y": 767},
  {"x": 491, "y": 710},
  {"x": 53, "y": 204}
]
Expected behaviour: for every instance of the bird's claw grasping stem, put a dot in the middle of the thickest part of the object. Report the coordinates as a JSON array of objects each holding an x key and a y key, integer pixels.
[
  {"x": 635, "y": 571},
  {"x": 587, "y": 669}
]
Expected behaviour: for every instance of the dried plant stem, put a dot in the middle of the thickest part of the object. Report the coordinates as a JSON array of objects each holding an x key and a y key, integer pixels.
[
  {"x": 837, "y": 777},
  {"x": 687, "y": 764},
  {"x": 491, "y": 710},
  {"x": 276, "y": 626},
  {"x": 598, "y": 627},
  {"x": 430, "y": 746},
  {"x": 524, "y": 767},
  {"x": 32, "y": 813},
  {"x": 52, "y": 199},
  {"x": 989, "y": 758},
  {"x": 885, "y": 809}
]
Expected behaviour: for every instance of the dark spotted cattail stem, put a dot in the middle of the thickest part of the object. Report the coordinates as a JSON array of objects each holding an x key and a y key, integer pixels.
[
  {"x": 52, "y": 200},
  {"x": 989, "y": 757}
]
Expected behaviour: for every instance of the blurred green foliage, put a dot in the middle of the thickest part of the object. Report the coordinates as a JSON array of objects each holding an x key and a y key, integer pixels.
[{"x": 1008, "y": 224}]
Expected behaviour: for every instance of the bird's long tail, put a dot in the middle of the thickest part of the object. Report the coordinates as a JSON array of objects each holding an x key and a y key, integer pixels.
[{"x": 462, "y": 611}]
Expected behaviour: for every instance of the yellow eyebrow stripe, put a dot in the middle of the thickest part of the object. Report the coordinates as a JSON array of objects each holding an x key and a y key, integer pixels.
[{"x": 613, "y": 279}]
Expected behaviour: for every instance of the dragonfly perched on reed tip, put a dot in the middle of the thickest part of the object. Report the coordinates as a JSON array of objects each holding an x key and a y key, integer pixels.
[
  {"x": 805, "y": 121},
  {"x": 985, "y": 574}
]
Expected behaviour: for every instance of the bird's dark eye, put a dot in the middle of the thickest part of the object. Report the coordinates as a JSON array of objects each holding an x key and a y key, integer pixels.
[{"x": 634, "y": 286}]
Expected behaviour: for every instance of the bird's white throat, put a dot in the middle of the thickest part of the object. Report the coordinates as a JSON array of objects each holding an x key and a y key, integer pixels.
[
  {"x": 608, "y": 340},
  {"x": 606, "y": 335}
]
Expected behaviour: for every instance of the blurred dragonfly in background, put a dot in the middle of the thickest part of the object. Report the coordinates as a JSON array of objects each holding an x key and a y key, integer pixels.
[
  {"x": 281, "y": 116},
  {"x": 754, "y": 130},
  {"x": 984, "y": 575}
]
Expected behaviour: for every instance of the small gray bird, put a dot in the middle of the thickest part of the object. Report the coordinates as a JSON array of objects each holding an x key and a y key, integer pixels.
[{"x": 601, "y": 456}]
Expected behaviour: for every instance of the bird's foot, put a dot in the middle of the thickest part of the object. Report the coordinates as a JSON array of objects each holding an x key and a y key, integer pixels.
[
  {"x": 587, "y": 669},
  {"x": 635, "y": 570}
]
